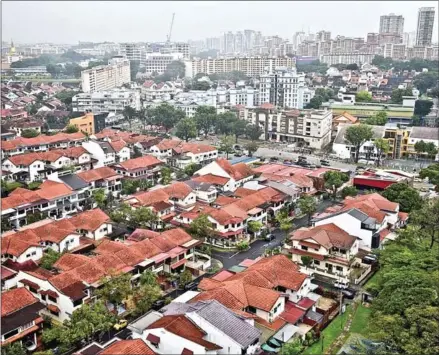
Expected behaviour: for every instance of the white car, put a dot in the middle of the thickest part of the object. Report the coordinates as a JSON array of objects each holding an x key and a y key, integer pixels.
[{"x": 341, "y": 284}]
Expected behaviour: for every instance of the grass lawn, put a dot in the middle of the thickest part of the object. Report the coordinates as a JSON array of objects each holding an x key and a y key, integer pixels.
[
  {"x": 329, "y": 334},
  {"x": 361, "y": 319},
  {"x": 374, "y": 279}
]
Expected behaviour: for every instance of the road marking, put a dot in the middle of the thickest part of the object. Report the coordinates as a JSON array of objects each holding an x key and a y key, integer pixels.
[{"x": 234, "y": 255}]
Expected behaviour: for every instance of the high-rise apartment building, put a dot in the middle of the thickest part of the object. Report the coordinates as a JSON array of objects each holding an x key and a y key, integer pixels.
[
  {"x": 229, "y": 42},
  {"x": 105, "y": 77},
  {"x": 132, "y": 51},
  {"x": 392, "y": 24},
  {"x": 424, "y": 29},
  {"x": 409, "y": 38},
  {"x": 323, "y": 36},
  {"x": 282, "y": 87}
]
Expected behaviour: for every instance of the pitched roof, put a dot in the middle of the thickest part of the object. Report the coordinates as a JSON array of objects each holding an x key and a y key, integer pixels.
[
  {"x": 178, "y": 190},
  {"x": 104, "y": 172},
  {"x": 128, "y": 347},
  {"x": 185, "y": 328},
  {"x": 328, "y": 236},
  {"x": 374, "y": 200},
  {"x": 238, "y": 171},
  {"x": 145, "y": 161},
  {"x": 345, "y": 116},
  {"x": 212, "y": 179},
  {"x": 166, "y": 144},
  {"x": 16, "y": 299},
  {"x": 118, "y": 145},
  {"x": 90, "y": 220}
]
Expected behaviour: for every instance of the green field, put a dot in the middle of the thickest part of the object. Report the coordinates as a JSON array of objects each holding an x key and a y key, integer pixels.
[
  {"x": 329, "y": 334},
  {"x": 361, "y": 320}
]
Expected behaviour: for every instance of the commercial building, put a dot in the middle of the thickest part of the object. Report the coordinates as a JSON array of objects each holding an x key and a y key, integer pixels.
[
  {"x": 106, "y": 101},
  {"x": 106, "y": 77},
  {"x": 424, "y": 28},
  {"x": 347, "y": 58},
  {"x": 158, "y": 62},
  {"x": 85, "y": 124},
  {"x": 251, "y": 66},
  {"x": 283, "y": 87},
  {"x": 132, "y": 51}
]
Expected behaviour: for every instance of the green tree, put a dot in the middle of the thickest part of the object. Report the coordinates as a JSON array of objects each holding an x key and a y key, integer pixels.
[
  {"x": 225, "y": 122},
  {"x": 254, "y": 226},
  {"x": 71, "y": 129},
  {"x": 292, "y": 348},
  {"x": 226, "y": 145},
  {"x": 397, "y": 94},
  {"x": 100, "y": 197},
  {"x": 137, "y": 152},
  {"x": 363, "y": 96},
  {"x": 425, "y": 81},
  {"x": 348, "y": 191},
  {"x": 13, "y": 349},
  {"x": 166, "y": 116},
  {"x": 148, "y": 278},
  {"x": 306, "y": 260},
  {"x": 357, "y": 135},
  {"x": 382, "y": 146},
  {"x": 121, "y": 213},
  {"x": 239, "y": 128},
  {"x": 66, "y": 96},
  {"x": 201, "y": 85},
  {"x": 427, "y": 218},
  {"x": 308, "y": 206},
  {"x": 128, "y": 187},
  {"x": 334, "y": 180},
  {"x": 49, "y": 258},
  {"x": 423, "y": 107},
  {"x": 29, "y": 133},
  {"x": 144, "y": 297},
  {"x": 134, "y": 69},
  {"x": 416, "y": 121},
  {"x": 315, "y": 102},
  {"x": 129, "y": 114},
  {"x": 185, "y": 278},
  {"x": 251, "y": 148},
  {"x": 166, "y": 175},
  {"x": 186, "y": 129},
  {"x": 115, "y": 289},
  {"x": 407, "y": 197},
  {"x": 432, "y": 173},
  {"x": 253, "y": 132},
  {"x": 201, "y": 228},
  {"x": 142, "y": 217},
  {"x": 205, "y": 119},
  {"x": 284, "y": 221},
  {"x": 176, "y": 69},
  {"x": 191, "y": 169},
  {"x": 378, "y": 119}
]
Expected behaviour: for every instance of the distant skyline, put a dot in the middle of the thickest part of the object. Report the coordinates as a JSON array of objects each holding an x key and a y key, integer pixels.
[{"x": 68, "y": 22}]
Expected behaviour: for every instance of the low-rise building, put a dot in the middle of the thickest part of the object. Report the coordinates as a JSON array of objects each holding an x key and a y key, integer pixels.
[
  {"x": 107, "y": 153},
  {"x": 103, "y": 178},
  {"x": 21, "y": 319},
  {"x": 106, "y": 101},
  {"x": 146, "y": 167}
]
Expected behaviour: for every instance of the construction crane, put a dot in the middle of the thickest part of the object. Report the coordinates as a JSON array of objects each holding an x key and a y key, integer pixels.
[{"x": 170, "y": 30}]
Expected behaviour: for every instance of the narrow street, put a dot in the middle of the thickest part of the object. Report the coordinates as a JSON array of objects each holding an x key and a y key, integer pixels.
[{"x": 258, "y": 247}]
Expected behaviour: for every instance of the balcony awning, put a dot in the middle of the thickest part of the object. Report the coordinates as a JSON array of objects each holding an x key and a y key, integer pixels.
[
  {"x": 160, "y": 257},
  {"x": 30, "y": 284},
  {"x": 53, "y": 308},
  {"x": 178, "y": 263},
  {"x": 153, "y": 338}
]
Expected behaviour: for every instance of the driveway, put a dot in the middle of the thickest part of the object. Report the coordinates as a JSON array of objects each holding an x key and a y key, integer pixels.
[{"x": 258, "y": 247}]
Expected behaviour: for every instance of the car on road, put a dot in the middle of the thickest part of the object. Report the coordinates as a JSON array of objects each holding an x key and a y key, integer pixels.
[
  {"x": 274, "y": 159},
  {"x": 348, "y": 293},
  {"x": 269, "y": 237},
  {"x": 301, "y": 157},
  {"x": 288, "y": 162},
  {"x": 158, "y": 304},
  {"x": 341, "y": 284},
  {"x": 121, "y": 323},
  {"x": 324, "y": 162},
  {"x": 238, "y": 154},
  {"x": 190, "y": 286}
]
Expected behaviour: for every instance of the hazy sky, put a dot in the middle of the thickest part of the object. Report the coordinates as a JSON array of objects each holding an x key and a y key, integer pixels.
[{"x": 131, "y": 21}]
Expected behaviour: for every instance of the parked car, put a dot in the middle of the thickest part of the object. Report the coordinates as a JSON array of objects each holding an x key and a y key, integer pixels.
[
  {"x": 269, "y": 237},
  {"x": 348, "y": 293},
  {"x": 158, "y": 304},
  {"x": 121, "y": 323},
  {"x": 324, "y": 162},
  {"x": 301, "y": 157},
  {"x": 341, "y": 284},
  {"x": 274, "y": 159},
  {"x": 190, "y": 285},
  {"x": 238, "y": 154}
]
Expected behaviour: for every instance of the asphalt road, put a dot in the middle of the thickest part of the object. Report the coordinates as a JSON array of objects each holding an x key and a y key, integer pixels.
[{"x": 258, "y": 247}]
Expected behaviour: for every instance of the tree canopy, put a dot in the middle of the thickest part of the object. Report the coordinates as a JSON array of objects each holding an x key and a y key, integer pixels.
[
  {"x": 308, "y": 206},
  {"x": 378, "y": 119},
  {"x": 357, "y": 135},
  {"x": 432, "y": 173},
  {"x": 334, "y": 180},
  {"x": 29, "y": 133},
  {"x": 166, "y": 116},
  {"x": 363, "y": 96},
  {"x": 407, "y": 197},
  {"x": 186, "y": 129},
  {"x": 382, "y": 146}
]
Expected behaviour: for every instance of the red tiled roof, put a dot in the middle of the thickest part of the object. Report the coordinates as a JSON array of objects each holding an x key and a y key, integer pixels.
[
  {"x": 53, "y": 308},
  {"x": 267, "y": 106},
  {"x": 224, "y": 200},
  {"x": 118, "y": 145},
  {"x": 7, "y": 273},
  {"x": 383, "y": 234},
  {"x": 305, "y": 303},
  {"x": 167, "y": 144},
  {"x": 178, "y": 190},
  {"x": 403, "y": 216},
  {"x": 212, "y": 179},
  {"x": 184, "y": 328},
  {"x": 222, "y": 275},
  {"x": 146, "y": 161},
  {"x": 328, "y": 236},
  {"x": 195, "y": 148},
  {"x": 104, "y": 172},
  {"x": 374, "y": 200},
  {"x": 16, "y": 299},
  {"x": 128, "y": 347},
  {"x": 292, "y": 313},
  {"x": 90, "y": 220}
]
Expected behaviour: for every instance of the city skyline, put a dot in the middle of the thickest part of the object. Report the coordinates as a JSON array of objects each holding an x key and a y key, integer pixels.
[{"x": 82, "y": 24}]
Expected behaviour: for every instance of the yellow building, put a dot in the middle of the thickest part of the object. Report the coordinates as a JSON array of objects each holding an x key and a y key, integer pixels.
[{"x": 85, "y": 124}]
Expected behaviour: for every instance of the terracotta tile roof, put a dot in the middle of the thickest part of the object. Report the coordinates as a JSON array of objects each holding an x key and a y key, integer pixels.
[
  {"x": 328, "y": 236},
  {"x": 146, "y": 161},
  {"x": 149, "y": 198},
  {"x": 403, "y": 216},
  {"x": 223, "y": 217},
  {"x": 140, "y": 234},
  {"x": 195, "y": 148},
  {"x": 42, "y": 140},
  {"x": 238, "y": 171},
  {"x": 148, "y": 83},
  {"x": 163, "y": 243},
  {"x": 267, "y": 106},
  {"x": 374, "y": 200},
  {"x": 292, "y": 313},
  {"x": 90, "y": 220},
  {"x": 128, "y": 347},
  {"x": 167, "y": 144},
  {"x": 177, "y": 235},
  {"x": 212, "y": 179},
  {"x": 345, "y": 116},
  {"x": 224, "y": 200},
  {"x": 242, "y": 192},
  {"x": 16, "y": 244},
  {"x": 72, "y": 152},
  {"x": 16, "y": 299},
  {"x": 222, "y": 275},
  {"x": 104, "y": 172},
  {"x": 118, "y": 145},
  {"x": 7, "y": 273},
  {"x": 178, "y": 190},
  {"x": 26, "y": 159},
  {"x": 183, "y": 327},
  {"x": 69, "y": 261}
]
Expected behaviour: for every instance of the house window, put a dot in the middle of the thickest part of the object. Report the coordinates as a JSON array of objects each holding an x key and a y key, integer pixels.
[
  {"x": 339, "y": 268},
  {"x": 77, "y": 303},
  {"x": 304, "y": 247},
  {"x": 10, "y": 334},
  {"x": 316, "y": 262},
  {"x": 53, "y": 299},
  {"x": 32, "y": 290},
  {"x": 53, "y": 312}
]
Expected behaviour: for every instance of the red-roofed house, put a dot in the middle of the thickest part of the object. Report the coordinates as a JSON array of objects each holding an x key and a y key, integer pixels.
[
  {"x": 331, "y": 249},
  {"x": 145, "y": 167},
  {"x": 104, "y": 177},
  {"x": 93, "y": 224},
  {"x": 21, "y": 318},
  {"x": 237, "y": 174}
]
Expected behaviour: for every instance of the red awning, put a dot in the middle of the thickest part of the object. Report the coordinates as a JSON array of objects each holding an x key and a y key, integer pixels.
[
  {"x": 49, "y": 293},
  {"x": 178, "y": 263},
  {"x": 53, "y": 308},
  {"x": 187, "y": 352},
  {"x": 305, "y": 303},
  {"x": 30, "y": 284},
  {"x": 304, "y": 252},
  {"x": 153, "y": 338}
]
